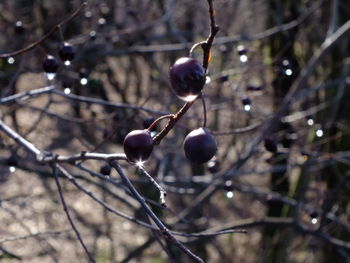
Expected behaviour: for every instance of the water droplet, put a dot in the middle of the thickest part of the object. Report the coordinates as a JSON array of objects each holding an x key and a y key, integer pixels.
[
  {"x": 319, "y": 133},
  {"x": 140, "y": 163},
  {"x": 101, "y": 21},
  {"x": 67, "y": 63},
  {"x": 67, "y": 91},
  {"x": 314, "y": 221},
  {"x": 10, "y": 60},
  {"x": 243, "y": 58},
  {"x": 310, "y": 122},
  {"x": 247, "y": 107},
  {"x": 288, "y": 72},
  {"x": 285, "y": 62},
  {"x": 12, "y": 169},
  {"x": 207, "y": 80},
  {"x": 190, "y": 98},
  {"x": 92, "y": 34},
  {"x": 50, "y": 76},
  {"x": 229, "y": 194},
  {"x": 83, "y": 81}
]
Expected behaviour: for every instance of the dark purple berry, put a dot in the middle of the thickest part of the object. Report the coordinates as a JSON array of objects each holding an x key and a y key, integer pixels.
[
  {"x": 148, "y": 121},
  {"x": 12, "y": 161},
  {"x": 241, "y": 50},
  {"x": 246, "y": 101},
  {"x": 254, "y": 88},
  {"x": 50, "y": 64},
  {"x": 105, "y": 169},
  {"x": 288, "y": 139},
  {"x": 200, "y": 146},
  {"x": 270, "y": 145},
  {"x": 92, "y": 35},
  {"x": 213, "y": 166},
  {"x": 308, "y": 117},
  {"x": 314, "y": 214},
  {"x": 138, "y": 145},
  {"x": 223, "y": 49},
  {"x": 66, "y": 52},
  {"x": 67, "y": 83},
  {"x": 83, "y": 73},
  {"x": 187, "y": 77},
  {"x": 223, "y": 78},
  {"x": 228, "y": 186},
  {"x": 19, "y": 29}
]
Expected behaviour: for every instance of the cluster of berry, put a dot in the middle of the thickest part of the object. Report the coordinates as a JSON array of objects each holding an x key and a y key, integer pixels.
[
  {"x": 50, "y": 63},
  {"x": 187, "y": 78}
]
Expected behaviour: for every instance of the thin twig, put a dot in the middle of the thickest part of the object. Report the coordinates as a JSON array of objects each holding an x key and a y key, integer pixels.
[
  {"x": 104, "y": 102},
  {"x": 214, "y": 29},
  {"x": 165, "y": 231},
  {"x": 162, "y": 192},
  {"x": 65, "y": 208},
  {"x": 48, "y": 233},
  {"x": 72, "y": 179},
  {"x": 43, "y": 38},
  {"x": 204, "y": 111},
  {"x": 206, "y": 46},
  {"x": 45, "y": 157},
  {"x": 168, "y": 116},
  {"x": 238, "y": 130},
  {"x": 157, "y": 139},
  {"x": 83, "y": 156},
  {"x": 298, "y": 84},
  {"x": 19, "y": 139}
]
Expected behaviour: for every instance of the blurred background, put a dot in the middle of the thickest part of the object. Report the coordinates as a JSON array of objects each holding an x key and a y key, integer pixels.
[{"x": 290, "y": 190}]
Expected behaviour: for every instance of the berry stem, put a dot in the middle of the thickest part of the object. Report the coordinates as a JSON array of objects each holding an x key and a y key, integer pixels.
[
  {"x": 206, "y": 46},
  {"x": 195, "y": 46},
  {"x": 204, "y": 111},
  {"x": 157, "y": 139},
  {"x": 159, "y": 119}
]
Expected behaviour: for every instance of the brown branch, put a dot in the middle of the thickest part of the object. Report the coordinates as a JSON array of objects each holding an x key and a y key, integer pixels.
[
  {"x": 169, "y": 116},
  {"x": 109, "y": 208},
  {"x": 35, "y": 235},
  {"x": 214, "y": 29},
  {"x": 157, "y": 139},
  {"x": 43, "y": 38},
  {"x": 162, "y": 192},
  {"x": 163, "y": 229},
  {"x": 46, "y": 157},
  {"x": 206, "y": 46},
  {"x": 90, "y": 100}
]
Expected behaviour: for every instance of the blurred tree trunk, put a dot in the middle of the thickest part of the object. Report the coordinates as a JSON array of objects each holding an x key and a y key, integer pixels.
[
  {"x": 275, "y": 242},
  {"x": 338, "y": 67}
]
